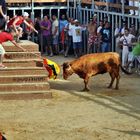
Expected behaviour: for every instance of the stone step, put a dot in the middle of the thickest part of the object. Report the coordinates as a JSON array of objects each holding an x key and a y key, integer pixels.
[
  {"x": 22, "y": 55},
  {"x": 25, "y": 95},
  {"x": 12, "y": 87},
  {"x": 23, "y": 79},
  {"x": 26, "y": 44},
  {"x": 23, "y": 63},
  {"x": 23, "y": 71}
]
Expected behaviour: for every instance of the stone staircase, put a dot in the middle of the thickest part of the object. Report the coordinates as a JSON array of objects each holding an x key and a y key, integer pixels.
[{"x": 25, "y": 75}]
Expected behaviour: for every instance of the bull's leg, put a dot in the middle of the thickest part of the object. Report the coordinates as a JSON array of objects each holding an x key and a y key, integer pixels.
[
  {"x": 112, "y": 79},
  {"x": 117, "y": 79},
  {"x": 86, "y": 84}
]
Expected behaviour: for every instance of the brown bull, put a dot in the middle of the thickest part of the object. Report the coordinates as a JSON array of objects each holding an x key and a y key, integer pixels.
[{"x": 93, "y": 64}]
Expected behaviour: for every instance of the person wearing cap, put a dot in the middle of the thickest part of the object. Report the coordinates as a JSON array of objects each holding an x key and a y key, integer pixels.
[
  {"x": 77, "y": 38},
  {"x": 16, "y": 21}
]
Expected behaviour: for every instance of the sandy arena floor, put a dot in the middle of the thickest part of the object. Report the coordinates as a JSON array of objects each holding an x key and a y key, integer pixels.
[{"x": 101, "y": 114}]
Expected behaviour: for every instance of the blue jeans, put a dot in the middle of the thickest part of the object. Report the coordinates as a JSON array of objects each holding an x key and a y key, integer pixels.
[{"x": 105, "y": 47}]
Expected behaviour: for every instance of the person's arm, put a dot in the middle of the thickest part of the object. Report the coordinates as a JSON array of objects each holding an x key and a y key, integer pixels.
[
  {"x": 1, "y": 12},
  {"x": 30, "y": 26},
  {"x": 17, "y": 45}
]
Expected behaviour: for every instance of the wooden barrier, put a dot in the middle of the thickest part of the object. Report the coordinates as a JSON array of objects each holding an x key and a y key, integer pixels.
[
  {"x": 29, "y": 1},
  {"x": 112, "y": 5}
]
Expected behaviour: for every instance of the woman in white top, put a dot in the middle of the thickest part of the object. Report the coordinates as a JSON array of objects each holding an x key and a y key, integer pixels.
[{"x": 126, "y": 40}]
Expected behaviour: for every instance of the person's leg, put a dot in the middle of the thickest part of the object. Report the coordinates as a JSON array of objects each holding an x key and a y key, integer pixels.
[
  {"x": 75, "y": 49},
  {"x": 124, "y": 56},
  {"x": 2, "y": 24},
  {"x": 79, "y": 49},
  {"x": 131, "y": 3},
  {"x": 136, "y": 4},
  {"x": 49, "y": 45},
  {"x": 103, "y": 47},
  {"x": 68, "y": 45},
  {"x": 20, "y": 32},
  {"x": 2, "y": 53},
  {"x": 130, "y": 61}
]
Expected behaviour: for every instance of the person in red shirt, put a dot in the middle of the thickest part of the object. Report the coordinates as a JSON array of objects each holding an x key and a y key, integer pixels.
[
  {"x": 16, "y": 21},
  {"x": 5, "y": 36}
]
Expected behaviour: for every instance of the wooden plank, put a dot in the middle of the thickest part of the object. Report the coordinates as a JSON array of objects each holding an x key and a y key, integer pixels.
[
  {"x": 119, "y": 6},
  {"x": 29, "y": 1}
]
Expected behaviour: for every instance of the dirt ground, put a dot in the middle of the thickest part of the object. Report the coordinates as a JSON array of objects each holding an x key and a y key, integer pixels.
[{"x": 101, "y": 114}]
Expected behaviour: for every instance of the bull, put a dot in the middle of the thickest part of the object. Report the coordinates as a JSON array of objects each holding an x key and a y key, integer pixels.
[{"x": 92, "y": 64}]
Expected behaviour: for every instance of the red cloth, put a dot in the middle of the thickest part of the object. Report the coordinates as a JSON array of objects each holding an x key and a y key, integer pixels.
[
  {"x": 4, "y": 36},
  {"x": 62, "y": 36},
  {"x": 28, "y": 29},
  {"x": 20, "y": 21}
]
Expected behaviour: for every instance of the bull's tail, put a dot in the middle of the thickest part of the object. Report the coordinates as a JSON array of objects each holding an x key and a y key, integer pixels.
[{"x": 125, "y": 71}]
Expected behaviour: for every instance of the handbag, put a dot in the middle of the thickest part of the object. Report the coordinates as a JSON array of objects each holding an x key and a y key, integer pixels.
[{"x": 129, "y": 47}]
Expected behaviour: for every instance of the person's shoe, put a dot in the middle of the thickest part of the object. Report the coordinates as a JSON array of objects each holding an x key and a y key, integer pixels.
[
  {"x": 130, "y": 69},
  {"x": 51, "y": 55},
  {"x": 2, "y": 66}
]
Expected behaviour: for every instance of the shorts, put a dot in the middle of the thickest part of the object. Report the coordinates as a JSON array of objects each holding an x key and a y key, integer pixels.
[
  {"x": 55, "y": 40},
  {"x": 77, "y": 45},
  {"x": 46, "y": 40},
  {"x": 2, "y": 51}
]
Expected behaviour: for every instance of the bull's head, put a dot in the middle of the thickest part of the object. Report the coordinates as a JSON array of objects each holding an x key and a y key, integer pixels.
[{"x": 67, "y": 70}]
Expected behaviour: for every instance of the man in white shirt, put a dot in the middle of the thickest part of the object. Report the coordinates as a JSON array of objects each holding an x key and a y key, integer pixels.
[
  {"x": 69, "y": 27},
  {"x": 77, "y": 38},
  {"x": 55, "y": 33}
]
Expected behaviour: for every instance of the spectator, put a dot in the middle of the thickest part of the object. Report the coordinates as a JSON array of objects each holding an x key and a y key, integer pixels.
[
  {"x": 105, "y": 37},
  {"x": 62, "y": 23},
  {"x": 38, "y": 28},
  {"x": 55, "y": 33},
  {"x": 69, "y": 27},
  {"x": 77, "y": 38},
  {"x": 124, "y": 26},
  {"x": 133, "y": 31},
  {"x": 127, "y": 55},
  {"x": 117, "y": 35},
  {"x": 46, "y": 33},
  {"x": 92, "y": 35}
]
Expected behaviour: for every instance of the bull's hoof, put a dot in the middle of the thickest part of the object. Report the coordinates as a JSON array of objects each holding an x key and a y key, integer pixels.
[{"x": 85, "y": 90}]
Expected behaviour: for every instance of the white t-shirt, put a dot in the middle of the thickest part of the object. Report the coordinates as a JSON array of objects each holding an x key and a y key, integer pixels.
[
  {"x": 99, "y": 29},
  {"x": 77, "y": 33},
  {"x": 128, "y": 38},
  {"x": 70, "y": 26},
  {"x": 54, "y": 25}
]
